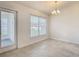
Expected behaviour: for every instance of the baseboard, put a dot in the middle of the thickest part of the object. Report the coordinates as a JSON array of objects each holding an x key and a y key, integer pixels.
[
  {"x": 66, "y": 41},
  {"x": 31, "y": 43}
]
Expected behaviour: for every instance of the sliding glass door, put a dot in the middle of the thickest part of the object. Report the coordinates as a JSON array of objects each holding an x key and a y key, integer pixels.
[{"x": 7, "y": 30}]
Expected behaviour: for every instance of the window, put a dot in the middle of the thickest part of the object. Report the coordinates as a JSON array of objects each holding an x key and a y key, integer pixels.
[
  {"x": 42, "y": 26},
  {"x": 34, "y": 26},
  {"x": 38, "y": 26},
  {"x": 7, "y": 29}
]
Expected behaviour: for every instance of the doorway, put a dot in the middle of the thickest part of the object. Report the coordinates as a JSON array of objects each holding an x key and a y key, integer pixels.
[{"x": 7, "y": 30}]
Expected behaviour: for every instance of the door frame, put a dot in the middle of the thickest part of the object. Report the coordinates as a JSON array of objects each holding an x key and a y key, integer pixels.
[{"x": 15, "y": 29}]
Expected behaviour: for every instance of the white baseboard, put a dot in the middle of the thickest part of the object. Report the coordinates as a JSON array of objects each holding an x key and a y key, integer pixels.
[
  {"x": 30, "y": 43},
  {"x": 64, "y": 40}
]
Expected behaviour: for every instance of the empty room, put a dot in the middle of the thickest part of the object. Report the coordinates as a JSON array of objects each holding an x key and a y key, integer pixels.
[{"x": 39, "y": 28}]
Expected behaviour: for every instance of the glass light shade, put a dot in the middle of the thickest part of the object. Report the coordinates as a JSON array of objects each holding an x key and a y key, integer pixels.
[{"x": 55, "y": 12}]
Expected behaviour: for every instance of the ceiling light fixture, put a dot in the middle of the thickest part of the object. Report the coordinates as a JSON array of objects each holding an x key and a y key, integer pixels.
[{"x": 56, "y": 11}]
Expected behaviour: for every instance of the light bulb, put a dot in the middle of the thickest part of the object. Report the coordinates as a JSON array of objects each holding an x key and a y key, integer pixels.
[
  {"x": 58, "y": 11},
  {"x": 54, "y": 12}
]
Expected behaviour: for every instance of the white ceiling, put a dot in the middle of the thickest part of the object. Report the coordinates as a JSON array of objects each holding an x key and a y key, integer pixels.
[{"x": 43, "y": 6}]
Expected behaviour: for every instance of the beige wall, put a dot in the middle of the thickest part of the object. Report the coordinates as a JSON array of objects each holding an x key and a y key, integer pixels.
[
  {"x": 65, "y": 26},
  {"x": 23, "y": 23}
]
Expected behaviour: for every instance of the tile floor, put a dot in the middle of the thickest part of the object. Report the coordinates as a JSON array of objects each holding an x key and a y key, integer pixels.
[{"x": 46, "y": 48}]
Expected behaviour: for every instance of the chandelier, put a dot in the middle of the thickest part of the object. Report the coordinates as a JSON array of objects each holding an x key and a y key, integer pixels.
[{"x": 56, "y": 11}]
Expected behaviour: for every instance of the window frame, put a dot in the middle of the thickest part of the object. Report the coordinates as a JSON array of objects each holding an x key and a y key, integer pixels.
[{"x": 38, "y": 25}]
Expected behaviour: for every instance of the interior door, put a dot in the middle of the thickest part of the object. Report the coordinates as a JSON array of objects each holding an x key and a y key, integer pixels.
[{"x": 7, "y": 30}]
